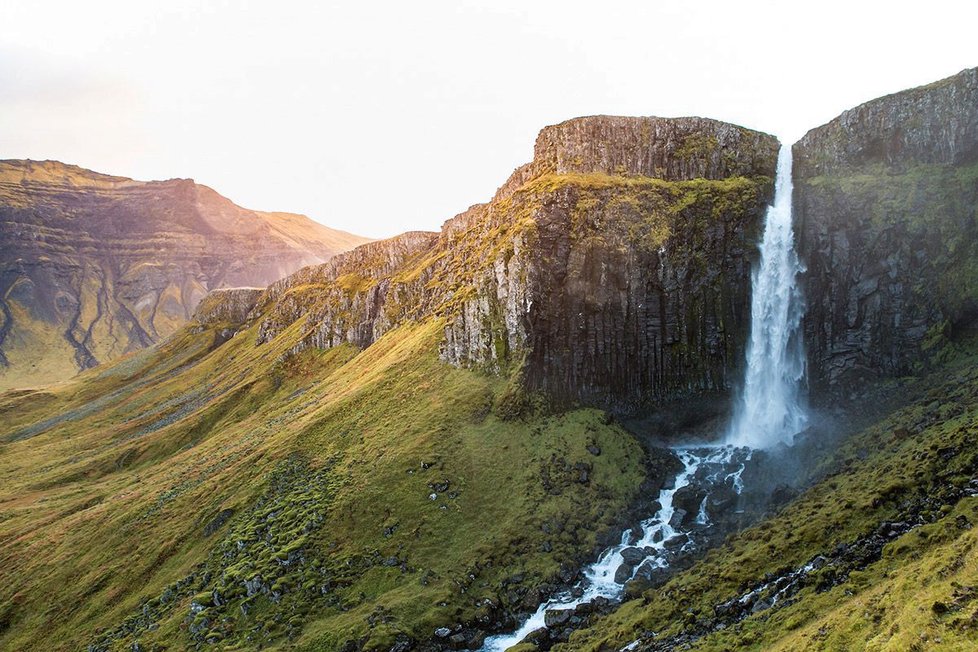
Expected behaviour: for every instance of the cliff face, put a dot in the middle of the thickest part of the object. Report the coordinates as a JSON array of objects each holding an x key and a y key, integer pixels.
[
  {"x": 93, "y": 266},
  {"x": 229, "y": 306},
  {"x": 885, "y": 202},
  {"x": 614, "y": 268}
]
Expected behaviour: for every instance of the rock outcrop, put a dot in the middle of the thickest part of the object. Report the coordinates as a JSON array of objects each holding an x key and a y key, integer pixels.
[
  {"x": 885, "y": 204},
  {"x": 229, "y": 306},
  {"x": 93, "y": 266},
  {"x": 614, "y": 268}
]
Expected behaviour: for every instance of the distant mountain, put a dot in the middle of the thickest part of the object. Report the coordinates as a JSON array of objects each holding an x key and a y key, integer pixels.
[{"x": 93, "y": 266}]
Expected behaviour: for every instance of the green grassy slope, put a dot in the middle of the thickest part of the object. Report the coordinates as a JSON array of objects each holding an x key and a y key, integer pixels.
[
  {"x": 256, "y": 490},
  {"x": 128, "y": 497},
  {"x": 877, "y": 590}
]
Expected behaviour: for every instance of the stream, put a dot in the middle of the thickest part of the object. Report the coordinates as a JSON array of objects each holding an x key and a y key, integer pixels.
[{"x": 709, "y": 483}]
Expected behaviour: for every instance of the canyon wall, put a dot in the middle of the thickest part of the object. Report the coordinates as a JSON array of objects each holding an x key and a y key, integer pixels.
[
  {"x": 886, "y": 197},
  {"x": 93, "y": 266},
  {"x": 614, "y": 269}
]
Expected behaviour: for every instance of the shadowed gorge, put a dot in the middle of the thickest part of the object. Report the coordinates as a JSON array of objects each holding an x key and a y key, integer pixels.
[{"x": 520, "y": 432}]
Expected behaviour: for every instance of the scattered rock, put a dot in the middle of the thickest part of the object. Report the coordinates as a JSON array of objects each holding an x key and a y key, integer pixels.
[
  {"x": 632, "y": 556},
  {"x": 215, "y": 523},
  {"x": 688, "y": 499},
  {"x": 679, "y": 517},
  {"x": 555, "y": 617},
  {"x": 477, "y": 640},
  {"x": 675, "y": 541},
  {"x": 458, "y": 641},
  {"x": 623, "y": 574}
]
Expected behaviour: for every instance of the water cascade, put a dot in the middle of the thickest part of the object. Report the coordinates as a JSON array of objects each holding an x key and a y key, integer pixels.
[
  {"x": 769, "y": 409},
  {"x": 666, "y": 535}
]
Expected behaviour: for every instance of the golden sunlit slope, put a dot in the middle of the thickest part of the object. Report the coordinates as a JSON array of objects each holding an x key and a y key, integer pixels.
[
  {"x": 212, "y": 490},
  {"x": 93, "y": 266},
  {"x": 303, "y": 232},
  {"x": 355, "y": 457}
]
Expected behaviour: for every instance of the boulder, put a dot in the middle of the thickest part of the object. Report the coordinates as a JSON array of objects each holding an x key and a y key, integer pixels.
[
  {"x": 556, "y": 617},
  {"x": 689, "y": 498},
  {"x": 632, "y": 556}
]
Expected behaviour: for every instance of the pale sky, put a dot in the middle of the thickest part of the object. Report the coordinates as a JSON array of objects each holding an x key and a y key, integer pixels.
[{"x": 381, "y": 117}]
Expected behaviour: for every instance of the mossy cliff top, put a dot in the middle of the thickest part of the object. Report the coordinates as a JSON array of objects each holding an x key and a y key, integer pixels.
[
  {"x": 674, "y": 149},
  {"x": 616, "y": 265},
  {"x": 936, "y": 124}
]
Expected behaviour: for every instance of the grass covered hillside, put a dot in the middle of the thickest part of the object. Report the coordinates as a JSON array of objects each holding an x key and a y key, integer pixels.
[
  {"x": 200, "y": 493},
  {"x": 372, "y": 454}
]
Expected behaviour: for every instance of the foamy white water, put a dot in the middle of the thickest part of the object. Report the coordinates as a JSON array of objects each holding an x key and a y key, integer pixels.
[
  {"x": 770, "y": 410},
  {"x": 599, "y": 577}
]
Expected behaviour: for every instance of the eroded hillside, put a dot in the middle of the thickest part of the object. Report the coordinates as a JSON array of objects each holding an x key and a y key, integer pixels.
[
  {"x": 383, "y": 451},
  {"x": 94, "y": 266}
]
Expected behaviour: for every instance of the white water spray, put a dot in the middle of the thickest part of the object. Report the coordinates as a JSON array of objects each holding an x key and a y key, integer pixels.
[
  {"x": 770, "y": 410},
  {"x": 659, "y": 533}
]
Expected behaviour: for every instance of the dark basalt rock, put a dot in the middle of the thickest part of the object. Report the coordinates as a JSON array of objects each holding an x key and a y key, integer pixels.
[
  {"x": 633, "y": 556},
  {"x": 689, "y": 498},
  {"x": 679, "y": 518},
  {"x": 557, "y": 617},
  {"x": 586, "y": 267},
  {"x": 885, "y": 200},
  {"x": 215, "y": 524}
]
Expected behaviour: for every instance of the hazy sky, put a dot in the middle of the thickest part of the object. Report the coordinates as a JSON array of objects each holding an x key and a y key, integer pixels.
[{"x": 379, "y": 117}]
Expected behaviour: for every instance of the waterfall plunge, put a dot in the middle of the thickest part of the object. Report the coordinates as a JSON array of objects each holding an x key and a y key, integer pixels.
[{"x": 769, "y": 409}]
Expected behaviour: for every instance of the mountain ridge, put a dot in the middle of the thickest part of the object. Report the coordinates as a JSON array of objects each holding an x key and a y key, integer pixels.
[
  {"x": 96, "y": 265},
  {"x": 590, "y": 197},
  {"x": 299, "y": 468}
]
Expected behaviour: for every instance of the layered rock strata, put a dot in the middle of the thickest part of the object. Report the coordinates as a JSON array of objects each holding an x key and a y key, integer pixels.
[
  {"x": 614, "y": 268},
  {"x": 93, "y": 266}
]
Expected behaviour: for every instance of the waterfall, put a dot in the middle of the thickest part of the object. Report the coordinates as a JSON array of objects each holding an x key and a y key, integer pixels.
[{"x": 769, "y": 409}]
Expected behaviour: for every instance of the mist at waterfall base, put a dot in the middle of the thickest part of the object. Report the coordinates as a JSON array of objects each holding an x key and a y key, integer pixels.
[{"x": 721, "y": 487}]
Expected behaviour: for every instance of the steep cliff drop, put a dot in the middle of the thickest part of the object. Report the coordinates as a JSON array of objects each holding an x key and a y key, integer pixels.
[{"x": 770, "y": 409}]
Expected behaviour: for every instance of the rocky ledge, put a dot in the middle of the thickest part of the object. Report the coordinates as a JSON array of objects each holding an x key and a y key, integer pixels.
[
  {"x": 229, "y": 306},
  {"x": 885, "y": 200},
  {"x": 614, "y": 269},
  {"x": 676, "y": 149}
]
